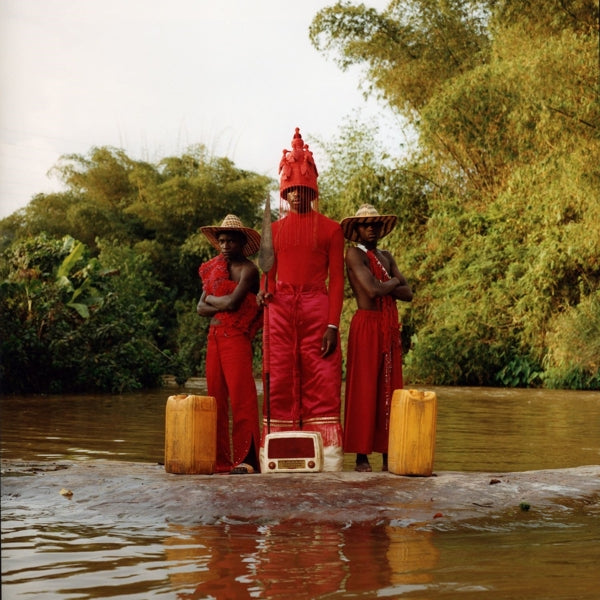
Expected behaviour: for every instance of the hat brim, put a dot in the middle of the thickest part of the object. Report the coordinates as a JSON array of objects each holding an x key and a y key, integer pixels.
[
  {"x": 252, "y": 238},
  {"x": 388, "y": 222}
]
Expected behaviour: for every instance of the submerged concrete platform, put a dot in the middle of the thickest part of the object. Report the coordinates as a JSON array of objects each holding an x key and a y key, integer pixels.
[{"x": 112, "y": 491}]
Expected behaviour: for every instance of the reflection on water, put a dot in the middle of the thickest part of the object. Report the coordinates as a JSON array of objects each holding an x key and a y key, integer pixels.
[
  {"x": 275, "y": 561},
  {"x": 478, "y": 430},
  {"x": 284, "y": 562},
  {"x": 64, "y": 561},
  {"x": 301, "y": 561},
  {"x": 524, "y": 561}
]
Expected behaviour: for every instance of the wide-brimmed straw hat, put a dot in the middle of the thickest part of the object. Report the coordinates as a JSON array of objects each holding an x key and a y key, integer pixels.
[
  {"x": 233, "y": 223},
  {"x": 367, "y": 214}
]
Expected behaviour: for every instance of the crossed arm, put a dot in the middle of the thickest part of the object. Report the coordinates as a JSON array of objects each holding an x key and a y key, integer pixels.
[
  {"x": 367, "y": 287},
  {"x": 209, "y": 305}
]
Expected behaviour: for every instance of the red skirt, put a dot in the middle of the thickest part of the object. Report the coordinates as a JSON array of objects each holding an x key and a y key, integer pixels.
[{"x": 373, "y": 372}]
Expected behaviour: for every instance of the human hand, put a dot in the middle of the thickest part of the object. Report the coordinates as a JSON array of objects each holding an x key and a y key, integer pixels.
[
  {"x": 263, "y": 298},
  {"x": 329, "y": 343}
]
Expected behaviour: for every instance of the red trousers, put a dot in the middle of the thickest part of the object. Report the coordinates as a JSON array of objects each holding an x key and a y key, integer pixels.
[
  {"x": 368, "y": 383},
  {"x": 229, "y": 377},
  {"x": 305, "y": 389}
]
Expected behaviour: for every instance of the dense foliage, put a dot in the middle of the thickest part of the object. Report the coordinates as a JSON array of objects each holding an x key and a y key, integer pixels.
[
  {"x": 100, "y": 284},
  {"x": 497, "y": 200}
]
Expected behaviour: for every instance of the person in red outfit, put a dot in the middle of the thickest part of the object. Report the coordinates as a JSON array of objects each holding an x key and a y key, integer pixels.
[
  {"x": 305, "y": 294},
  {"x": 374, "y": 361},
  {"x": 229, "y": 285}
]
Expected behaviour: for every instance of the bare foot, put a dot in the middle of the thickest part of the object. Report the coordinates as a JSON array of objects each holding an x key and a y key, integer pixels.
[
  {"x": 362, "y": 464},
  {"x": 242, "y": 469},
  {"x": 363, "y": 467}
]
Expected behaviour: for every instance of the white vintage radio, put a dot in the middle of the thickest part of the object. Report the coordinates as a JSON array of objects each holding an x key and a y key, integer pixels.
[{"x": 292, "y": 452}]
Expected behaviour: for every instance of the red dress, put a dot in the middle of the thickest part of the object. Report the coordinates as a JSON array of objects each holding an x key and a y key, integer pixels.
[
  {"x": 307, "y": 280},
  {"x": 373, "y": 372},
  {"x": 229, "y": 368}
]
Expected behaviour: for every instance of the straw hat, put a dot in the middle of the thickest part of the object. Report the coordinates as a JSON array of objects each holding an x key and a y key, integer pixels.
[
  {"x": 233, "y": 223},
  {"x": 367, "y": 214}
]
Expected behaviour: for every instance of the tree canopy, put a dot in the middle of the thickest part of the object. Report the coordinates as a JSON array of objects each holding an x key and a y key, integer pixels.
[
  {"x": 499, "y": 204},
  {"x": 100, "y": 282}
]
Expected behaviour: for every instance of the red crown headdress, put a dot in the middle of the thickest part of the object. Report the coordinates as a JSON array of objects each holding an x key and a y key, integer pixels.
[{"x": 297, "y": 168}]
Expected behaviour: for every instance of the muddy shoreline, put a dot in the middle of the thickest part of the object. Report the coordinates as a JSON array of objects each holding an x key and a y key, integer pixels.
[{"x": 101, "y": 491}]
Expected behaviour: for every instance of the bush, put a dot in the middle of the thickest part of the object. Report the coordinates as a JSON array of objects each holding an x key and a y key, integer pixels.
[{"x": 70, "y": 323}]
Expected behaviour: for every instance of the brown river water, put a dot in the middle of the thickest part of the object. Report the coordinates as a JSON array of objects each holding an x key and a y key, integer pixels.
[{"x": 478, "y": 429}]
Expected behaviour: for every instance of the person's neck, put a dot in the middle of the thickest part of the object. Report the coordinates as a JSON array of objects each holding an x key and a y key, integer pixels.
[
  {"x": 235, "y": 260},
  {"x": 367, "y": 245}
]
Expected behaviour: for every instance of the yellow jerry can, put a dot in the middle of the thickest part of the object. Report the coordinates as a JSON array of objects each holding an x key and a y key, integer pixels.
[
  {"x": 412, "y": 432},
  {"x": 191, "y": 434}
]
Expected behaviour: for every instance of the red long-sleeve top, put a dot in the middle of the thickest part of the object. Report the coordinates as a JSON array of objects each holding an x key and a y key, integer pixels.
[{"x": 309, "y": 252}]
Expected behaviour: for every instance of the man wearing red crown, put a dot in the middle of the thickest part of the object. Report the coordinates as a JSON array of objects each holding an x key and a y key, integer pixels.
[{"x": 305, "y": 293}]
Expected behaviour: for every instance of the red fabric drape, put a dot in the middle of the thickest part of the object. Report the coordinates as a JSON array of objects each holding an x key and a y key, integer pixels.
[{"x": 373, "y": 371}]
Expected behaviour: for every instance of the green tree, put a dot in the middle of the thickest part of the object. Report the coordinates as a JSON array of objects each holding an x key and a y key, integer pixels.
[
  {"x": 152, "y": 213},
  {"x": 503, "y": 97},
  {"x": 409, "y": 50}
]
